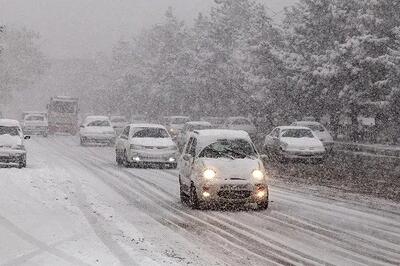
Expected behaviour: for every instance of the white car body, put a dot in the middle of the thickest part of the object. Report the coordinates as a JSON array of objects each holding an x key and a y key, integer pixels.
[
  {"x": 118, "y": 123},
  {"x": 304, "y": 146},
  {"x": 35, "y": 124},
  {"x": 320, "y": 131},
  {"x": 12, "y": 148},
  {"x": 241, "y": 123},
  {"x": 175, "y": 124},
  {"x": 97, "y": 129},
  {"x": 233, "y": 181},
  {"x": 190, "y": 127},
  {"x": 134, "y": 149}
]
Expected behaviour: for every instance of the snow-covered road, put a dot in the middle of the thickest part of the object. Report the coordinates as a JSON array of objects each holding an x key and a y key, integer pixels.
[{"x": 74, "y": 206}]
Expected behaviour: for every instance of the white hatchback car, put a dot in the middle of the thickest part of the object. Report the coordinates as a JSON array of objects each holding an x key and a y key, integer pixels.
[
  {"x": 97, "y": 129},
  {"x": 292, "y": 142},
  {"x": 144, "y": 144},
  {"x": 222, "y": 166},
  {"x": 320, "y": 131},
  {"x": 12, "y": 148}
]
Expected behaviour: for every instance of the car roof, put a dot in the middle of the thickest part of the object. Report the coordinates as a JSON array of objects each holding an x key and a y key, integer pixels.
[
  {"x": 199, "y": 123},
  {"x": 307, "y": 123},
  {"x": 147, "y": 125},
  {"x": 206, "y": 137},
  {"x": 293, "y": 127},
  {"x": 9, "y": 123}
]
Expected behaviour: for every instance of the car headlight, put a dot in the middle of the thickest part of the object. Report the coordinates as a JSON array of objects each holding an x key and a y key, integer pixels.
[
  {"x": 136, "y": 147},
  {"x": 258, "y": 175},
  {"x": 209, "y": 174},
  {"x": 20, "y": 147}
]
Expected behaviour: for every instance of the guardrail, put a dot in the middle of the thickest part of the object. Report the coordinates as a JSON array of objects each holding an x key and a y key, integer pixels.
[{"x": 393, "y": 151}]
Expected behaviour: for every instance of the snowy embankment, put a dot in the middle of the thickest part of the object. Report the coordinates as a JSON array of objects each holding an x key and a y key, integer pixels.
[{"x": 74, "y": 206}]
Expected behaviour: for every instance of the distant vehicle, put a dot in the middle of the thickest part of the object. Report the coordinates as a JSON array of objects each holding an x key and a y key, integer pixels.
[
  {"x": 98, "y": 130},
  {"x": 294, "y": 142},
  {"x": 241, "y": 123},
  {"x": 217, "y": 122},
  {"x": 188, "y": 128},
  {"x": 319, "y": 130},
  {"x": 222, "y": 166},
  {"x": 144, "y": 144},
  {"x": 175, "y": 124},
  {"x": 118, "y": 123},
  {"x": 138, "y": 119},
  {"x": 63, "y": 115},
  {"x": 35, "y": 123},
  {"x": 12, "y": 148}
]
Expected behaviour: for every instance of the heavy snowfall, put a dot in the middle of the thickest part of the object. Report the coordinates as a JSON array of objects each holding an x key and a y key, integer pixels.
[{"x": 202, "y": 132}]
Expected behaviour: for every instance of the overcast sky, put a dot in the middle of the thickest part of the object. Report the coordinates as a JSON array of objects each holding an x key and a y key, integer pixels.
[{"x": 80, "y": 28}]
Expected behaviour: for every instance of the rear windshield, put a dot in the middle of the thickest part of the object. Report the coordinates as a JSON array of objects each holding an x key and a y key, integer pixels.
[
  {"x": 99, "y": 123},
  {"x": 13, "y": 131},
  {"x": 34, "y": 118},
  {"x": 297, "y": 133},
  {"x": 234, "y": 149},
  {"x": 150, "y": 133}
]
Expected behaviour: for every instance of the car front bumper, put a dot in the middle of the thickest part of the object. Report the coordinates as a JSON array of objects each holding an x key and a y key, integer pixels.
[
  {"x": 140, "y": 156},
  {"x": 99, "y": 138},
  {"x": 233, "y": 193},
  {"x": 11, "y": 155}
]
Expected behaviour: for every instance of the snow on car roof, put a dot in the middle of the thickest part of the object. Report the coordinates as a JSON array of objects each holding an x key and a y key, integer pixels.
[
  {"x": 9, "y": 123},
  {"x": 207, "y": 136},
  {"x": 293, "y": 127},
  {"x": 307, "y": 123},
  {"x": 199, "y": 123},
  {"x": 147, "y": 125}
]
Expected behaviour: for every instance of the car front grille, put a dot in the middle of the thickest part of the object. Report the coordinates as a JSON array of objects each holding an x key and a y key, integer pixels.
[{"x": 234, "y": 194}]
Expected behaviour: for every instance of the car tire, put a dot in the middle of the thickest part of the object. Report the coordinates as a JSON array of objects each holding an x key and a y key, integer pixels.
[
  {"x": 125, "y": 161},
  {"x": 183, "y": 196},
  {"x": 193, "y": 198},
  {"x": 263, "y": 205}
]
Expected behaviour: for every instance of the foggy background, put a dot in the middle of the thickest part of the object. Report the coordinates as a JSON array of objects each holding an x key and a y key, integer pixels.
[{"x": 81, "y": 28}]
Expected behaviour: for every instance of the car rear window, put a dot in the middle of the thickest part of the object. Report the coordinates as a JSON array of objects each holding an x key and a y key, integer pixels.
[{"x": 150, "y": 133}]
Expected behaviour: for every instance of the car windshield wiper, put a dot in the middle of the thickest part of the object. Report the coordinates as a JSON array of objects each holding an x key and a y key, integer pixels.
[
  {"x": 238, "y": 153},
  {"x": 220, "y": 153}
]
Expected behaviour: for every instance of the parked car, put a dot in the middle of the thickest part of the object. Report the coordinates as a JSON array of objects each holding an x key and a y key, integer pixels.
[
  {"x": 188, "y": 128},
  {"x": 319, "y": 130},
  {"x": 97, "y": 129},
  {"x": 241, "y": 123},
  {"x": 118, "y": 123},
  {"x": 217, "y": 122},
  {"x": 35, "y": 123},
  {"x": 144, "y": 144},
  {"x": 12, "y": 148},
  {"x": 294, "y": 142},
  {"x": 221, "y": 166},
  {"x": 175, "y": 124}
]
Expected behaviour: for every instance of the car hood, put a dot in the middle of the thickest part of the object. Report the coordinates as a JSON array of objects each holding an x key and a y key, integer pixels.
[
  {"x": 226, "y": 168},
  {"x": 10, "y": 141},
  {"x": 153, "y": 142},
  {"x": 323, "y": 136},
  {"x": 302, "y": 142},
  {"x": 98, "y": 130},
  {"x": 36, "y": 123}
]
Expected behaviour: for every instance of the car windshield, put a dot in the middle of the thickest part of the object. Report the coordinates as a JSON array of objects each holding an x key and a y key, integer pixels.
[
  {"x": 13, "y": 131},
  {"x": 315, "y": 127},
  {"x": 99, "y": 123},
  {"x": 178, "y": 120},
  {"x": 234, "y": 149},
  {"x": 34, "y": 118},
  {"x": 150, "y": 133},
  {"x": 118, "y": 120},
  {"x": 297, "y": 133}
]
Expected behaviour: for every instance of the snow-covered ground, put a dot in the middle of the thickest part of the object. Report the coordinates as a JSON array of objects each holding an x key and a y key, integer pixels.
[{"x": 74, "y": 206}]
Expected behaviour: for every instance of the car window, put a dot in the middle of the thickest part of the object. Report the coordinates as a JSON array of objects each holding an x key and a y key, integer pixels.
[
  {"x": 233, "y": 148},
  {"x": 99, "y": 123},
  {"x": 189, "y": 144},
  {"x": 150, "y": 133},
  {"x": 297, "y": 133},
  {"x": 13, "y": 131}
]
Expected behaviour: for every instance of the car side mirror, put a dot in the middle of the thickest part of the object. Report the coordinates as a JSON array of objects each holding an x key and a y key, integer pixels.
[
  {"x": 187, "y": 157},
  {"x": 27, "y": 137}
]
